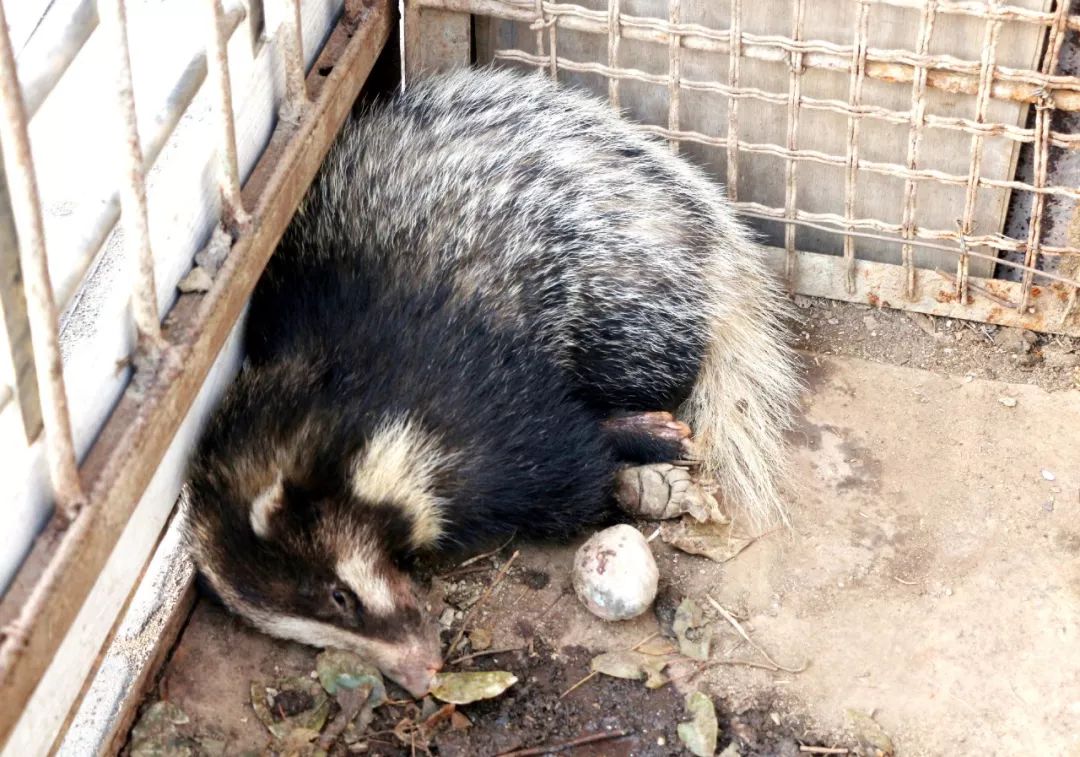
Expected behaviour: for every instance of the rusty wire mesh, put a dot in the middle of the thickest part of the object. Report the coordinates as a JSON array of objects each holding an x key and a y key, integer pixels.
[{"x": 868, "y": 174}]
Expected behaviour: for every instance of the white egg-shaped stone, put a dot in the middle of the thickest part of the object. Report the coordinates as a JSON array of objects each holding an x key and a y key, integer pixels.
[{"x": 615, "y": 574}]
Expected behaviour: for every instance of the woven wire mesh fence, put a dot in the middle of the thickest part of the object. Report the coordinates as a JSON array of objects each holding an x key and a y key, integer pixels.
[{"x": 920, "y": 154}]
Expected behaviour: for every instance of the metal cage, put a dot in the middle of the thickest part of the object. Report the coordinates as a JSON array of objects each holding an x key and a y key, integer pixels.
[{"x": 915, "y": 154}]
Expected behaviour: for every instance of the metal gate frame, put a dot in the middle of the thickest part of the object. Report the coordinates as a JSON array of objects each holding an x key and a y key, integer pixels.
[{"x": 438, "y": 36}]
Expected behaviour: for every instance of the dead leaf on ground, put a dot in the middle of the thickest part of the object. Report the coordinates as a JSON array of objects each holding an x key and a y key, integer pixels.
[
  {"x": 480, "y": 639},
  {"x": 694, "y": 636},
  {"x": 699, "y": 734},
  {"x": 463, "y": 688},
  {"x": 632, "y": 665},
  {"x": 290, "y": 703},
  {"x": 871, "y": 735},
  {"x": 158, "y": 733},
  {"x": 459, "y": 721},
  {"x": 713, "y": 540},
  {"x": 657, "y": 646}
]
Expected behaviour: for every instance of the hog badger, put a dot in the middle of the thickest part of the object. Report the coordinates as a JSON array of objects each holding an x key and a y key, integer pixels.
[{"x": 493, "y": 296}]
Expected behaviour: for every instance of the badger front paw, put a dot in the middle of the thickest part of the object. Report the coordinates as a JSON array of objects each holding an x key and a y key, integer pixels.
[{"x": 661, "y": 490}]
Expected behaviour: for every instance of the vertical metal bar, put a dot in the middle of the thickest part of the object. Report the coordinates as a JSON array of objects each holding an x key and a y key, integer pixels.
[
  {"x": 614, "y": 37},
  {"x": 41, "y": 307},
  {"x": 292, "y": 50},
  {"x": 991, "y": 34},
  {"x": 858, "y": 75},
  {"x": 734, "y": 60},
  {"x": 918, "y": 119},
  {"x": 217, "y": 61},
  {"x": 674, "y": 71},
  {"x": 1044, "y": 109},
  {"x": 539, "y": 25},
  {"x": 133, "y": 188},
  {"x": 795, "y": 63},
  {"x": 16, "y": 320}
]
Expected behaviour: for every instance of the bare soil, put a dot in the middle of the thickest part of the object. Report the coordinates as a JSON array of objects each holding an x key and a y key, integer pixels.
[{"x": 931, "y": 580}]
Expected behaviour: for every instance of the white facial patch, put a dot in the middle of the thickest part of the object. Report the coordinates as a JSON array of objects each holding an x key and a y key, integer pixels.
[
  {"x": 265, "y": 505},
  {"x": 372, "y": 589},
  {"x": 399, "y": 466}
]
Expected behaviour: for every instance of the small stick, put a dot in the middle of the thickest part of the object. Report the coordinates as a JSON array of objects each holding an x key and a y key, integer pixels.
[
  {"x": 487, "y": 593},
  {"x": 484, "y": 555},
  {"x": 905, "y": 582},
  {"x": 485, "y": 653},
  {"x": 824, "y": 749},
  {"x": 735, "y": 624},
  {"x": 564, "y": 746},
  {"x": 592, "y": 674},
  {"x": 702, "y": 667},
  {"x": 465, "y": 571}
]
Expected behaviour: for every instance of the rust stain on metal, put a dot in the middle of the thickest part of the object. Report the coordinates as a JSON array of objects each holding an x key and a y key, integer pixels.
[{"x": 56, "y": 578}]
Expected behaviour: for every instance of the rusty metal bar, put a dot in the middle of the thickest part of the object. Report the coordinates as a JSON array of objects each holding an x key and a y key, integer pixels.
[
  {"x": 144, "y": 303},
  {"x": 67, "y": 558},
  {"x": 943, "y": 72},
  {"x": 41, "y": 307},
  {"x": 917, "y": 121},
  {"x": 292, "y": 51},
  {"x": 883, "y": 284},
  {"x": 166, "y": 116},
  {"x": 1044, "y": 111},
  {"x": 791, "y": 189},
  {"x": 55, "y": 43},
  {"x": 16, "y": 320},
  {"x": 236, "y": 218},
  {"x": 674, "y": 73}
]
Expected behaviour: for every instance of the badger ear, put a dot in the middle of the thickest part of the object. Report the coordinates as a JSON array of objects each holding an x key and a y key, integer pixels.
[{"x": 269, "y": 501}]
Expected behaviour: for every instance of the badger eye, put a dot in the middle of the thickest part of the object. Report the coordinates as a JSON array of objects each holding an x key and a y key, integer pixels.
[{"x": 340, "y": 599}]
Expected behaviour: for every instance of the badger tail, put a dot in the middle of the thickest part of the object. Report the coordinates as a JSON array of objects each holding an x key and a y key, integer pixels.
[{"x": 747, "y": 387}]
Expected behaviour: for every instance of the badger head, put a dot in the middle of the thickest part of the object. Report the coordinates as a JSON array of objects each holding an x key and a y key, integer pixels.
[{"x": 320, "y": 556}]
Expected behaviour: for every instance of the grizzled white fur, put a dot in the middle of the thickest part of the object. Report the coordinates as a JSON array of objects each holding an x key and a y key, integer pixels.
[{"x": 628, "y": 227}]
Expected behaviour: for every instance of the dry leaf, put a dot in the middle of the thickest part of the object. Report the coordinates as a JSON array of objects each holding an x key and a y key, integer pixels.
[
  {"x": 632, "y": 665},
  {"x": 480, "y": 639},
  {"x": 870, "y": 734},
  {"x": 690, "y": 629},
  {"x": 700, "y": 734},
  {"x": 713, "y": 540},
  {"x": 463, "y": 688}
]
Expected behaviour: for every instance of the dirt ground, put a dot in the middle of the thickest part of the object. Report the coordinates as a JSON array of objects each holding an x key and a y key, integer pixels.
[{"x": 931, "y": 580}]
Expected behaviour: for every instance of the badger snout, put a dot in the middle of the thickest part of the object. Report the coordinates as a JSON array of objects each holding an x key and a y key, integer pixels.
[{"x": 416, "y": 662}]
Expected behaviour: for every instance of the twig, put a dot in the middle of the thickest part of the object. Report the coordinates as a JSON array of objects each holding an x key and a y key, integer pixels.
[
  {"x": 485, "y": 653},
  {"x": 703, "y": 666},
  {"x": 735, "y": 624},
  {"x": 905, "y": 582},
  {"x": 456, "y": 572},
  {"x": 591, "y": 675},
  {"x": 487, "y": 593},
  {"x": 825, "y": 749},
  {"x": 484, "y": 555},
  {"x": 565, "y": 745}
]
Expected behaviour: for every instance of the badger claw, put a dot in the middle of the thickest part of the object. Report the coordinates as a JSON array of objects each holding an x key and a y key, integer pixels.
[
  {"x": 658, "y": 424},
  {"x": 661, "y": 491}
]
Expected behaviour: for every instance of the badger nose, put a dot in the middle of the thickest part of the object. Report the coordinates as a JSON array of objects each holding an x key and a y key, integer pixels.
[{"x": 418, "y": 682}]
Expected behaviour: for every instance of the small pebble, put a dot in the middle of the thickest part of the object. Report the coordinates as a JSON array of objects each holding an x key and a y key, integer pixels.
[
  {"x": 1048, "y": 475},
  {"x": 1007, "y": 401}
]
